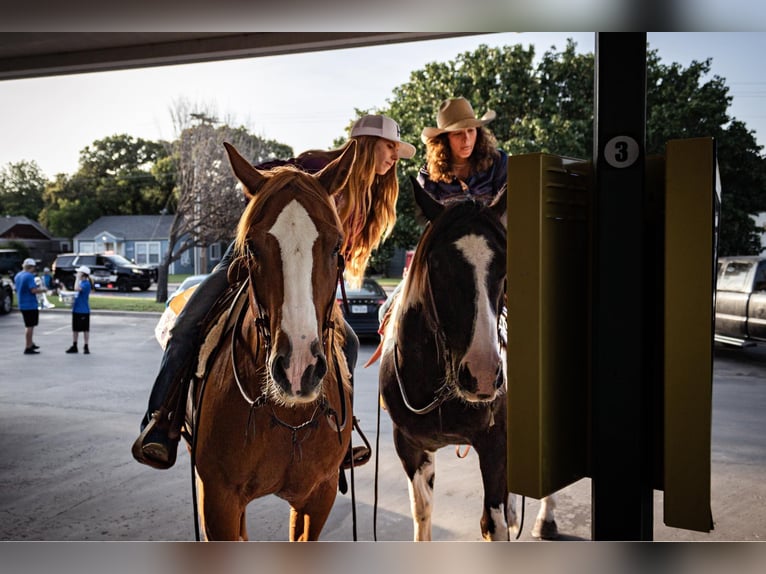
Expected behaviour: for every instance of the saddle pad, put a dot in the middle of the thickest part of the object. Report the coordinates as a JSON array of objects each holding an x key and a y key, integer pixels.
[{"x": 168, "y": 318}]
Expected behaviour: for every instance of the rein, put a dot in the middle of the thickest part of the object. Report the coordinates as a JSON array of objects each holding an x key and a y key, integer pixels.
[{"x": 439, "y": 394}]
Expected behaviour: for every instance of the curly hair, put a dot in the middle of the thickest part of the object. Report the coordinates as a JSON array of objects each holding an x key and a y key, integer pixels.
[
  {"x": 366, "y": 205},
  {"x": 439, "y": 155}
]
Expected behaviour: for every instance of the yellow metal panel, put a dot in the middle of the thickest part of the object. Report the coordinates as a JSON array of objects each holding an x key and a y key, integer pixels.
[
  {"x": 547, "y": 322},
  {"x": 688, "y": 370}
]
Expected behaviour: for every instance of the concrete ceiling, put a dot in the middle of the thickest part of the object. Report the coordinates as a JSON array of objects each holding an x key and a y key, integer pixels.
[{"x": 35, "y": 54}]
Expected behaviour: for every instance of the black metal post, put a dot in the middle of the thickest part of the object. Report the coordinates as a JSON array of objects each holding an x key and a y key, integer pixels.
[{"x": 620, "y": 433}]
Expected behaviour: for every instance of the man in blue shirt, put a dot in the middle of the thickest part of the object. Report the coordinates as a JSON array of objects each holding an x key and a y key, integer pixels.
[{"x": 26, "y": 293}]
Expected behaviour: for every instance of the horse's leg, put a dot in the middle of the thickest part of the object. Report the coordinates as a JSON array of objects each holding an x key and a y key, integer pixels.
[
  {"x": 308, "y": 518},
  {"x": 495, "y": 516},
  {"x": 420, "y": 467},
  {"x": 243, "y": 527},
  {"x": 220, "y": 513},
  {"x": 513, "y": 517},
  {"x": 545, "y": 523}
]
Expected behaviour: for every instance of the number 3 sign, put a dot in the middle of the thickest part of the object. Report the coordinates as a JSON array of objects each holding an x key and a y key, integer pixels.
[{"x": 621, "y": 151}]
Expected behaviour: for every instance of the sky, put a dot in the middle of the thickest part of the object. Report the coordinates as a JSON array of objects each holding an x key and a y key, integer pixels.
[{"x": 304, "y": 100}]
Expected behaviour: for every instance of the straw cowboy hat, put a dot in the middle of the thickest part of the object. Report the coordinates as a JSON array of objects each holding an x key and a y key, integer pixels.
[{"x": 455, "y": 114}]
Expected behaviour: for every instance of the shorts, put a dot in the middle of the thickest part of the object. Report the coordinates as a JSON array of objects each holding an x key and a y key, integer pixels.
[
  {"x": 31, "y": 317},
  {"x": 80, "y": 322}
]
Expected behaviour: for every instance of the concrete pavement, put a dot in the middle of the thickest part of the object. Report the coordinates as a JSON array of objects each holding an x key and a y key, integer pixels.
[{"x": 67, "y": 423}]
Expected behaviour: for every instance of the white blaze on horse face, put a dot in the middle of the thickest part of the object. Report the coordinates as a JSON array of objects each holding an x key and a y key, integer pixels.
[
  {"x": 483, "y": 355},
  {"x": 296, "y": 234}
]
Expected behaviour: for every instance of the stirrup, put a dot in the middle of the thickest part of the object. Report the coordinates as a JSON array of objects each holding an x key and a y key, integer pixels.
[
  {"x": 155, "y": 454},
  {"x": 361, "y": 455}
]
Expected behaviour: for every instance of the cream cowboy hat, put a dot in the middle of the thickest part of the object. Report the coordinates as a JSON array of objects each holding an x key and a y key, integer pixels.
[{"x": 456, "y": 114}]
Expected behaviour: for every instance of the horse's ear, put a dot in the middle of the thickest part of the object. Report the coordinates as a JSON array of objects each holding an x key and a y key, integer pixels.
[
  {"x": 429, "y": 207},
  {"x": 499, "y": 206},
  {"x": 250, "y": 177},
  {"x": 335, "y": 174}
]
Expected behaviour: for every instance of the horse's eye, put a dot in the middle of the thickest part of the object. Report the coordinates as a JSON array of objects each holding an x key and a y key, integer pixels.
[{"x": 336, "y": 250}]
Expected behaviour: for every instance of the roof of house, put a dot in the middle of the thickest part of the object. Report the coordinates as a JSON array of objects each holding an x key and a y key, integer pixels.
[
  {"x": 20, "y": 227},
  {"x": 129, "y": 227}
]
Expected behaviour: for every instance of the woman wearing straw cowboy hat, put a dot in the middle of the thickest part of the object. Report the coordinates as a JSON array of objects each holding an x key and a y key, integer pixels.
[{"x": 462, "y": 158}]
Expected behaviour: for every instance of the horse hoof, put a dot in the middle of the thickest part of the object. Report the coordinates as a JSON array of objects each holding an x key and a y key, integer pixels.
[{"x": 545, "y": 530}]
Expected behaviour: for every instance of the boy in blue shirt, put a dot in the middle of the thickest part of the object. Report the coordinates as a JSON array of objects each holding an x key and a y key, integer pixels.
[{"x": 81, "y": 309}]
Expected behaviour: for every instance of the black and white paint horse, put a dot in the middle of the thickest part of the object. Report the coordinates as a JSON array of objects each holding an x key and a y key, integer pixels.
[{"x": 442, "y": 372}]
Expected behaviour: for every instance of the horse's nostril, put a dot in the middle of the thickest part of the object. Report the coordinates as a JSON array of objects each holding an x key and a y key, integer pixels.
[{"x": 320, "y": 370}]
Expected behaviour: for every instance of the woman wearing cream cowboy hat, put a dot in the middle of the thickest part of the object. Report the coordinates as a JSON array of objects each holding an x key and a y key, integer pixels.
[{"x": 462, "y": 158}]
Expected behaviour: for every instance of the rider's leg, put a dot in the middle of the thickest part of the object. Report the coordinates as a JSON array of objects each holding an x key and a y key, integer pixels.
[
  {"x": 361, "y": 454},
  {"x": 154, "y": 446}
]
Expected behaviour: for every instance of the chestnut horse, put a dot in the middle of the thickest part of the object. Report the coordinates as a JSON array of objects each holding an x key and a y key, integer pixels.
[
  {"x": 442, "y": 372},
  {"x": 273, "y": 415}
]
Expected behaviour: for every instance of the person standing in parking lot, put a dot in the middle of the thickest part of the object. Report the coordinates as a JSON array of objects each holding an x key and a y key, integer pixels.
[
  {"x": 81, "y": 309},
  {"x": 26, "y": 293}
]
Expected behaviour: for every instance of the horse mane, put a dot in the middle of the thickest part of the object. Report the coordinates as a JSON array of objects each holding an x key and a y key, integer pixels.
[{"x": 457, "y": 215}]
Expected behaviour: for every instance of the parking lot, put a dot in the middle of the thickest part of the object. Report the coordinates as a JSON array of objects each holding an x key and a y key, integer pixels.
[{"x": 67, "y": 423}]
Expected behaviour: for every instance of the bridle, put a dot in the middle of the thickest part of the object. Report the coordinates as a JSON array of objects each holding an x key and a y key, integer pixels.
[
  {"x": 444, "y": 355},
  {"x": 262, "y": 325}
]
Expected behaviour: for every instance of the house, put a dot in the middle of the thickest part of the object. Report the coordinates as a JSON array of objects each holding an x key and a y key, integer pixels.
[
  {"x": 17, "y": 230},
  {"x": 143, "y": 239}
]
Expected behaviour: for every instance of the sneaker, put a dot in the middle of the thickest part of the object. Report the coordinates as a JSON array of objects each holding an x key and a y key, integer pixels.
[
  {"x": 86, "y": 351},
  {"x": 35, "y": 346},
  {"x": 31, "y": 351},
  {"x": 72, "y": 349}
]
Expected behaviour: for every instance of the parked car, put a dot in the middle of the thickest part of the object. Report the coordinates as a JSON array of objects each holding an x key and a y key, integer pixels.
[
  {"x": 363, "y": 305},
  {"x": 10, "y": 261},
  {"x": 108, "y": 271},
  {"x": 740, "y": 302},
  {"x": 6, "y": 296},
  {"x": 190, "y": 281}
]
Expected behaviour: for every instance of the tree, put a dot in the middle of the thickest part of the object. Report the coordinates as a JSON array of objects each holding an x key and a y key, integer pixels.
[
  {"x": 119, "y": 170},
  {"x": 548, "y": 107},
  {"x": 206, "y": 202},
  {"x": 21, "y": 189},
  {"x": 115, "y": 177},
  {"x": 69, "y": 205}
]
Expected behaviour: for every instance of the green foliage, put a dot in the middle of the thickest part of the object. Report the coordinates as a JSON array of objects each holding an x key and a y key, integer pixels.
[
  {"x": 115, "y": 177},
  {"x": 21, "y": 189},
  {"x": 546, "y": 105}
]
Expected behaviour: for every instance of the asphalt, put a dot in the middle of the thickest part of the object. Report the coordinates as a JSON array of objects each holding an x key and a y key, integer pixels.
[{"x": 66, "y": 474}]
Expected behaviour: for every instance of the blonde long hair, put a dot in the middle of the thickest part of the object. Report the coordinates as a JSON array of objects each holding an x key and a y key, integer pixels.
[{"x": 366, "y": 205}]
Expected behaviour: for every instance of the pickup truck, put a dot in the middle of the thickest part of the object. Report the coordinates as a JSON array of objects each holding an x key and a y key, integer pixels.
[{"x": 740, "y": 302}]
